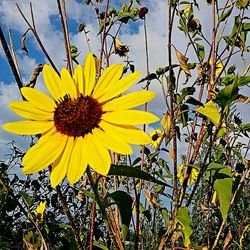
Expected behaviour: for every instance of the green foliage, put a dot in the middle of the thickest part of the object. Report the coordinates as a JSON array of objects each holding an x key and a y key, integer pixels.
[
  {"x": 223, "y": 182},
  {"x": 184, "y": 219},
  {"x": 124, "y": 202}
]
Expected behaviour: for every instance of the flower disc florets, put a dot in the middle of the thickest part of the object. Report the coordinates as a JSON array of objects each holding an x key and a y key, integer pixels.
[{"x": 77, "y": 117}]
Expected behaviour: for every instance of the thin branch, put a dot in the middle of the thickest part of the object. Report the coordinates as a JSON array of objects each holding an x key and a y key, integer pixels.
[
  {"x": 70, "y": 217},
  {"x": 13, "y": 53},
  {"x": 33, "y": 29},
  {"x": 103, "y": 38},
  {"x": 171, "y": 94},
  {"x": 10, "y": 59},
  {"x": 63, "y": 18}
]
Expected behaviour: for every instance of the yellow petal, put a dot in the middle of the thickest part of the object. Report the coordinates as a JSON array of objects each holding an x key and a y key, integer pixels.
[
  {"x": 108, "y": 80},
  {"x": 129, "y": 101},
  {"x": 98, "y": 157},
  {"x": 68, "y": 84},
  {"x": 27, "y": 110},
  {"x": 38, "y": 99},
  {"x": 79, "y": 79},
  {"x": 111, "y": 141},
  {"x": 120, "y": 86},
  {"x": 28, "y": 127},
  {"x": 128, "y": 133},
  {"x": 78, "y": 161},
  {"x": 89, "y": 72},
  {"x": 59, "y": 170},
  {"x": 43, "y": 153},
  {"x": 52, "y": 82},
  {"x": 130, "y": 117}
]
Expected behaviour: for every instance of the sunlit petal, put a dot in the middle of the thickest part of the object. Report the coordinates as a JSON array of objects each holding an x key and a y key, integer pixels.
[
  {"x": 130, "y": 117},
  {"x": 28, "y": 127},
  {"x": 38, "y": 99},
  {"x": 128, "y": 133},
  {"x": 52, "y": 82},
  {"x": 60, "y": 168},
  {"x": 27, "y": 110},
  {"x": 78, "y": 161},
  {"x": 109, "y": 140},
  {"x": 120, "y": 86},
  {"x": 129, "y": 101},
  {"x": 43, "y": 153},
  {"x": 98, "y": 156},
  {"x": 68, "y": 84},
  {"x": 89, "y": 72},
  {"x": 79, "y": 79},
  {"x": 108, "y": 79}
]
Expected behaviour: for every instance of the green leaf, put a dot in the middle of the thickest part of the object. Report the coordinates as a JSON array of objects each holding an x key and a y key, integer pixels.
[
  {"x": 184, "y": 219},
  {"x": 193, "y": 101},
  {"x": 244, "y": 80},
  {"x": 226, "y": 15},
  {"x": 211, "y": 112},
  {"x": 228, "y": 79},
  {"x": 99, "y": 245},
  {"x": 201, "y": 51},
  {"x": 124, "y": 202},
  {"x": 245, "y": 126},
  {"x": 223, "y": 187},
  {"x": 27, "y": 199},
  {"x": 128, "y": 171},
  {"x": 228, "y": 94},
  {"x": 246, "y": 27},
  {"x": 187, "y": 91},
  {"x": 89, "y": 194},
  {"x": 149, "y": 77},
  {"x": 215, "y": 166},
  {"x": 164, "y": 213}
]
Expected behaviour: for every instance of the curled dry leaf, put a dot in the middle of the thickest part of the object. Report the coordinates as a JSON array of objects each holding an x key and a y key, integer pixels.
[
  {"x": 166, "y": 124},
  {"x": 34, "y": 76},
  {"x": 23, "y": 38},
  {"x": 227, "y": 240},
  {"x": 183, "y": 62},
  {"x": 151, "y": 198}
]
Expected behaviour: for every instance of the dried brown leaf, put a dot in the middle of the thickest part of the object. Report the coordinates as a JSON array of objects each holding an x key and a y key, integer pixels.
[
  {"x": 183, "y": 62},
  {"x": 227, "y": 240},
  {"x": 151, "y": 198},
  {"x": 23, "y": 38},
  {"x": 34, "y": 76},
  {"x": 166, "y": 124}
]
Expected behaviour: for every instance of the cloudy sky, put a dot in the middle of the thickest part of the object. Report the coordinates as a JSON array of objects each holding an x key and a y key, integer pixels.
[{"x": 49, "y": 29}]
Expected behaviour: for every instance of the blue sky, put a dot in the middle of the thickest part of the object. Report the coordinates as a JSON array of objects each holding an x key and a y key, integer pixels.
[{"x": 49, "y": 29}]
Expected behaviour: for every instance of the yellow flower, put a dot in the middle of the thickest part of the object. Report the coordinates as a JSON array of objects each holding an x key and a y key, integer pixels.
[
  {"x": 82, "y": 121},
  {"x": 39, "y": 212},
  {"x": 120, "y": 48},
  {"x": 155, "y": 136},
  {"x": 193, "y": 176},
  {"x": 218, "y": 66}
]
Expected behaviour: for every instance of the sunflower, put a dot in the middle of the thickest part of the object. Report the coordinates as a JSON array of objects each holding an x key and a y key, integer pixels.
[
  {"x": 39, "y": 212},
  {"x": 82, "y": 120},
  {"x": 193, "y": 176},
  {"x": 155, "y": 136}
]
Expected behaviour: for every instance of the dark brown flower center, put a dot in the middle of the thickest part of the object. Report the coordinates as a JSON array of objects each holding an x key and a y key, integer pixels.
[
  {"x": 77, "y": 117},
  {"x": 155, "y": 137}
]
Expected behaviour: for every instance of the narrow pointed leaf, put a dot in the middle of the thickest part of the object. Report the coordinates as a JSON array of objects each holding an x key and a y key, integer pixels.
[{"x": 124, "y": 170}]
